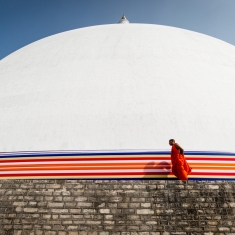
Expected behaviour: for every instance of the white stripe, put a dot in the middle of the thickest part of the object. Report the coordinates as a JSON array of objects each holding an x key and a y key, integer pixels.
[{"x": 214, "y": 171}]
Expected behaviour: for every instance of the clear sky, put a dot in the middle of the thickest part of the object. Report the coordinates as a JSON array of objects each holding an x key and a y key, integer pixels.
[{"x": 25, "y": 21}]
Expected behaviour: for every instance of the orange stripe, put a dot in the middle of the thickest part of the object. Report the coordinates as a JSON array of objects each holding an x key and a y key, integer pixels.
[
  {"x": 84, "y": 164},
  {"x": 35, "y": 168},
  {"x": 121, "y": 165},
  {"x": 111, "y": 157},
  {"x": 75, "y": 168}
]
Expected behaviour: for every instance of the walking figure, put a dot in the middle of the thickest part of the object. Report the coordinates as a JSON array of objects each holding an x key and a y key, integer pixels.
[{"x": 180, "y": 167}]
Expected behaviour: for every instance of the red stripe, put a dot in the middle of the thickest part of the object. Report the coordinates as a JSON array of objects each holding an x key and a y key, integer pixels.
[
  {"x": 113, "y": 159},
  {"x": 111, "y": 174},
  {"x": 81, "y": 159},
  {"x": 85, "y": 174}
]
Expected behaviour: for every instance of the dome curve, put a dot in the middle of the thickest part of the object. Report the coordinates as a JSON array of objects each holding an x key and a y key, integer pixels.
[{"x": 131, "y": 86}]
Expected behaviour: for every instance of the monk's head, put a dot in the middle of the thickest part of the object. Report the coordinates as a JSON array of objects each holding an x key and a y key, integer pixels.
[{"x": 171, "y": 142}]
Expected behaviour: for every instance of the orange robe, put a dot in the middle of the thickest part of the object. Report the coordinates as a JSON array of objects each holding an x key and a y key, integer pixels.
[{"x": 180, "y": 167}]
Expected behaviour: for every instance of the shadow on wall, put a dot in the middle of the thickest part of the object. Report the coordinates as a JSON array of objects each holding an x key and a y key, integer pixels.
[{"x": 160, "y": 170}]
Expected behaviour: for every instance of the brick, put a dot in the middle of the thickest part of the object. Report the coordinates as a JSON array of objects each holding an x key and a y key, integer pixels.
[
  {"x": 82, "y": 222},
  {"x": 145, "y": 211},
  {"x": 50, "y": 233},
  {"x": 232, "y": 204},
  {"x": 55, "y": 216},
  {"x": 68, "y": 216},
  {"x": 81, "y": 199},
  {"x": 70, "y": 204},
  {"x": 40, "y": 186},
  {"x": 84, "y": 204},
  {"x": 56, "y": 204},
  {"x": 145, "y": 205},
  {"x": 212, "y": 186},
  {"x": 58, "y": 211},
  {"x": 53, "y": 186},
  {"x": 123, "y": 205},
  {"x": 224, "y": 229},
  {"x": 33, "y": 204},
  {"x": 58, "y": 199},
  {"x": 27, "y": 226},
  {"x": 127, "y": 186},
  {"x": 76, "y": 211},
  {"x": 59, "y": 227},
  {"x": 18, "y": 232},
  {"x": 20, "y": 203},
  {"x": 109, "y": 222},
  {"x": 151, "y": 222},
  {"x": 139, "y": 199},
  {"x": 83, "y": 233},
  {"x": 77, "y": 216},
  {"x": 66, "y": 193},
  {"x": 115, "y": 199},
  {"x": 104, "y": 211},
  {"x": 89, "y": 193},
  {"x": 30, "y": 210},
  {"x": 73, "y": 228},
  {"x": 111, "y": 205},
  {"x": 12, "y": 215},
  {"x": 87, "y": 211},
  {"x": 139, "y": 186},
  {"x": 42, "y": 210},
  {"x": 108, "y": 217},
  {"x": 212, "y": 222},
  {"x": 61, "y": 233},
  {"x": 68, "y": 199},
  {"x": 93, "y": 222},
  {"x": 48, "y": 198},
  {"x": 18, "y": 209},
  {"x": 2, "y": 191},
  {"x": 67, "y": 222},
  {"x": 211, "y": 228}
]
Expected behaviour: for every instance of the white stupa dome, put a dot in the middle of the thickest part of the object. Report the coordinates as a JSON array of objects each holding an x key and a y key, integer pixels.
[{"x": 121, "y": 86}]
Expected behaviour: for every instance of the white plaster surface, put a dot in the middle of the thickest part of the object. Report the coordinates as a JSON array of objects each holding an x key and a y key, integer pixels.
[{"x": 121, "y": 86}]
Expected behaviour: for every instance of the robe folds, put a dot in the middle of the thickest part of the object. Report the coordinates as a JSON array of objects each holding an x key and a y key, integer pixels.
[{"x": 180, "y": 167}]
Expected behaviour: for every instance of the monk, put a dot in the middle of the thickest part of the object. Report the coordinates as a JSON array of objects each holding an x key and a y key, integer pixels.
[{"x": 180, "y": 167}]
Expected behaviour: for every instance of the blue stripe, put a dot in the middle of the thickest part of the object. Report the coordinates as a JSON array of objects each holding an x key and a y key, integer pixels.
[{"x": 106, "y": 153}]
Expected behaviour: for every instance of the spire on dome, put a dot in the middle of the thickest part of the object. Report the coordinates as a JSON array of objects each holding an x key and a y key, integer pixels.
[{"x": 123, "y": 20}]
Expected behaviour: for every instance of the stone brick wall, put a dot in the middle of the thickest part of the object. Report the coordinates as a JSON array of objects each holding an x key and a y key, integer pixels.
[{"x": 104, "y": 207}]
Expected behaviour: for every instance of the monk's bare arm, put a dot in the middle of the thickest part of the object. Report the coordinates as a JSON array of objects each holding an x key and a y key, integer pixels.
[{"x": 181, "y": 150}]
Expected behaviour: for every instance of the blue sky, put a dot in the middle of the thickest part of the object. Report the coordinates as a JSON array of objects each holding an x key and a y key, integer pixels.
[{"x": 25, "y": 21}]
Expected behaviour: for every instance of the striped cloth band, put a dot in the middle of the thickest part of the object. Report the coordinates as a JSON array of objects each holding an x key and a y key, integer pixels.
[{"x": 113, "y": 165}]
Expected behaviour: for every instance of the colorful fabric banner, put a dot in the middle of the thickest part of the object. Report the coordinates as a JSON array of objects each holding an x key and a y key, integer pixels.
[{"x": 113, "y": 165}]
